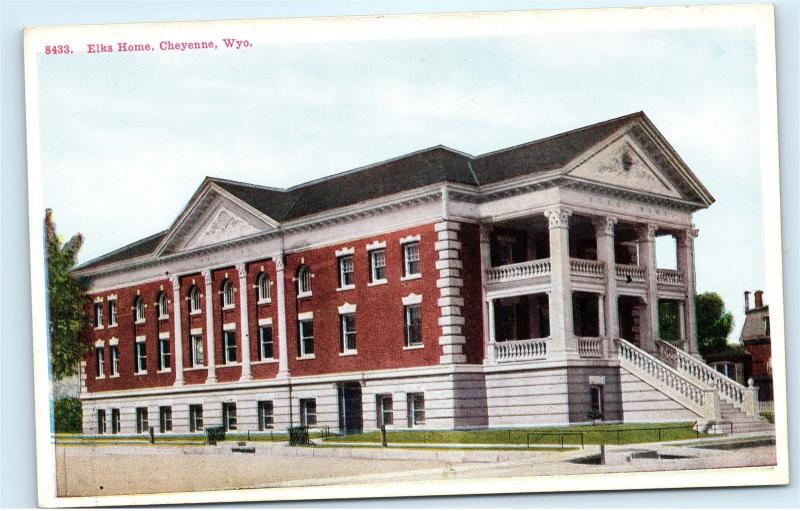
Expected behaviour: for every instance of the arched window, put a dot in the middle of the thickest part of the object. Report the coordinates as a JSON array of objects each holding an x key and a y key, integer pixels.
[
  {"x": 162, "y": 304},
  {"x": 138, "y": 309},
  {"x": 194, "y": 299},
  {"x": 263, "y": 287},
  {"x": 227, "y": 293},
  {"x": 303, "y": 280}
]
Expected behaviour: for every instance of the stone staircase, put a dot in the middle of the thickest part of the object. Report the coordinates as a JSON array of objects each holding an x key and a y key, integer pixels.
[{"x": 740, "y": 421}]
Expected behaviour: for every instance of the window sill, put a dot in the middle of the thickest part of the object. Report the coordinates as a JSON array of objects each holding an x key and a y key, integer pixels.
[
  {"x": 101, "y": 377},
  {"x": 304, "y": 295},
  {"x": 415, "y": 276},
  {"x": 195, "y": 313},
  {"x": 98, "y": 327},
  {"x": 265, "y": 361},
  {"x": 140, "y": 373},
  {"x": 306, "y": 357},
  {"x": 378, "y": 282},
  {"x": 229, "y": 364},
  {"x": 163, "y": 371},
  {"x": 194, "y": 368},
  {"x": 346, "y": 288},
  {"x": 114, "y": 376},
  {"x": 139, "y": 322},
  {"x": 414, "y": 347},
  {"x": 264, "y": 302},
  {"x": 229, "y": 307},
  {"x": 348, "y": 354},
  {"x": 162, "y": 318},
  {"x": 112, "y": 325}
]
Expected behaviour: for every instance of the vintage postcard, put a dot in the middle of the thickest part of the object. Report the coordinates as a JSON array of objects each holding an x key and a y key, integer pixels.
[{"x": 406, "y": 255}]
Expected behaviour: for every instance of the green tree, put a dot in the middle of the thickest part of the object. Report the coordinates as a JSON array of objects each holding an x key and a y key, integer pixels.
[
  {"x": 67, "y": 300},
  {"x": 67, "y": 415},
  {"x": 714, "y": 323}
]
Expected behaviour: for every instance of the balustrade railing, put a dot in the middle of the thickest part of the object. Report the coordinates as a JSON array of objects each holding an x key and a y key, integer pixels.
[
  {"x": 630, "y": 273},
  {"x": 590, "y": 347},
  {"x": 517, "y": 271},
  {"x": 587, "y": 267},
  {"x": 673, "y": 277},
  {"x": 743, "y": 398},
  {"x": 520, "y": 350}
]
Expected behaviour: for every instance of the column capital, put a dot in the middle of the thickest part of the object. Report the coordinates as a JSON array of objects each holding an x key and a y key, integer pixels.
[
  {"x": 647, "y": 232},
  {"x": 206, "y": 274},
  {"x": 686, "y": 237},
  {"x": 176, "y": 282},
  {"x": 558, "y": 217},
  {"x": 485, "y": 233},
  {"x": 605, "y": 225},
  {"x": 241, "y": 268},
  {"x": 279, "y": 264}
]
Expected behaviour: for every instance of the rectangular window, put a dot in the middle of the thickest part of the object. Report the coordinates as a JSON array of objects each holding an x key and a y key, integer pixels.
[
  {"x": 596, "y": 399},
  {"x": 98, "y": 314},
  {"x": 265, "y": 342},
  {"x": 308, "y": 412},
  {"x": 112, "y": 312},
  {"x": 115, "y": 422},
  {"x": 99, "y": 362},
  {"x": 266, "y": 419},
  {"x": 141, "y": 420},
  {"x": 383, "y": 405},
  {"x": 229, "y": 343},
  {"x": 229, "y": 416},
  {"x": 413, "y": 324},
  {"x": 377, "y": 264},
  {"x": 347, "y": 342},
  {"x": 114, "y": 360},
  {"x": 141, "y": 357},
  {"x": 196, "y": 353},
  {"x": 346, "y": 271},
  {"x": 101, "y": 422},
  {"x": 164, "y": 358},
  {"x": 727, "y": 369},
  {"x": 195, "y": 418},
  {"x": 165, "y": 419},
  {"x": 305, "y": 337},
  {"x": 416, "y": 409},
  {"x": 766, "y": 325},
  {"x": 411, "y": 259}
]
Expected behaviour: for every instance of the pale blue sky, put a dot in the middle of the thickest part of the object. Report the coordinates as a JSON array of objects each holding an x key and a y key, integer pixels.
[{"x": 127, "y": 138}]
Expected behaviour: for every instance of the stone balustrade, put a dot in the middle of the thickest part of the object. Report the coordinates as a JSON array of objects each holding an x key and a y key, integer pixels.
[
  {"x": 518, "y": 271},
  {"x": 590, "y": 347},
  {"x": 520, "y": 350},
  {"x": 587, "y": 268},
  {"x": 669, "y": 277},
  {"x": 630, "y": 273}
]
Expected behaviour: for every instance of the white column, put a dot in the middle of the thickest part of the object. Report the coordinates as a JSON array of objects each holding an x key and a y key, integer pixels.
[
  {"x": 686, "y": 265},
  {"x": 605, "y": 253},
  {"x": 247, "y": 375},
  {"x": 283, "y": 354},
  {"x": 490, "y": 332},
  {"x": 176, "y": 319},
  {"x": 488, "y": 313},
  {"x": 562, "y": 342},
  {"x": 210, "y": 352},
  {"x": 647, "y": 252}
]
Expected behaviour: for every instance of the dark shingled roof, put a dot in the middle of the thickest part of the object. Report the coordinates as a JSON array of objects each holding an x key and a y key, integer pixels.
[
  {"x": 434, "y": 165},
  {"x": 753, "y": 328}
]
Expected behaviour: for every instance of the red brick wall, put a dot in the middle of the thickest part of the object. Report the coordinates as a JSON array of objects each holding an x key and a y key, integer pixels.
[
  {"x": 760, "y": 353},
  {"x": 469, "y": 236}
]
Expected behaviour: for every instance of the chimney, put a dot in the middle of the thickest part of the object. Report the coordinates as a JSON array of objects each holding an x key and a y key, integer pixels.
[
  {"x": 759, "y": 296},
  {"x": 746, "y": 301}
]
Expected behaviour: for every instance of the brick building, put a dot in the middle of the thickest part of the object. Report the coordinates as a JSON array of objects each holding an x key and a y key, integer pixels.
[
  {"x": 434, "y": 290},
  {"x": 756, "y": 340}
]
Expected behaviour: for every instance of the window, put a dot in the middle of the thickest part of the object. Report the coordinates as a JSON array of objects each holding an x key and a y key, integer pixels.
[
  {"x": 766, "y": 325},
  {"x": 348, "y": 333},
  {"x": 416, "y": 409},
  {"x": 726, "y": 368},
  {"x": 141, "y": 420},
  {"x": 195, "y": 418},
  {"x": 163, "y": 312},
  {"x": 411, "y": 259},
  {"x": 114, "y": 360},
  {"x": 413, "y": 325},
  {"x": 140, "y": 359},
  {"x": 99, "y": 362},
  {"x": 112, "y": 312},
  {"x": 101, "y": 422},
  {"x": 229, "y": 344},
  {"x": 165, "y": 419},
  {"x": 194, "y": 300},
  {"x": 377, "y": 265},
  {"x": 263, "y": 287},
  {"x": 305, "y": 339},
  {"x": 115, "y": 422},
  {"x": 229, "y": 416},
  {"x": 265, "y": 342},
  {"x": 98, "y": 314},
  {"x": 196, "y": 353},
  {"x": 596, "y": 399},
  {"x": 266, "y": 420},
  {"x": 308, "y": 412},
  {"x": 227, "y": 293},
  {"x": 383, "y": 405},
  {"x": 138, "y": 309},
  {"x": 164, "y": 358},
  {"x": 346, "y": 271},
  {"x": 303, "y": 281}
]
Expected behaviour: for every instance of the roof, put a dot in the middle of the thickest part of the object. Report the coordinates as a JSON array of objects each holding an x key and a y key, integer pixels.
[
  {"x": 753, "y": 327},
  {"x": 436, "y": 164}
]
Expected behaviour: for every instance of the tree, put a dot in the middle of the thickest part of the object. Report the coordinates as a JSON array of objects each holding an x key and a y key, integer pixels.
[
  {"x": 68, "y": 301},
  {"x": 714, "y": 323}
]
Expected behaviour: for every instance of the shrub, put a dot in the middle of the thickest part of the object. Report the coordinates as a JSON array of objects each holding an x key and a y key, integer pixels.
[{"x": 67, "y": 415}]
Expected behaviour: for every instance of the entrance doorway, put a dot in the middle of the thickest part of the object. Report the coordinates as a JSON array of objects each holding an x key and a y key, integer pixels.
[
  {"x": 630, "y": 318},
  {"x": 350, "y": 409}
]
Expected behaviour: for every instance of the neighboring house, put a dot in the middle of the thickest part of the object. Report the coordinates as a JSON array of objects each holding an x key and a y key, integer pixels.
[
  {"x": 434, "y": 290},
  {"x": 756, "y": 341},
  {"x": 734, "y": 362}
]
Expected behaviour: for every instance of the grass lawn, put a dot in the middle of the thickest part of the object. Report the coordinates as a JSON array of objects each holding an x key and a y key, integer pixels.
[{"x": 599, "y": 434}]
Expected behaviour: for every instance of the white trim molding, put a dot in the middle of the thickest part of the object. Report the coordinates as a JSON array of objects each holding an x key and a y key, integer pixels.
[
  {"x": 99, "y": 343},
  {"x": 163, "y": 335},
  {"x": 305, "y": 315},
  {"x": 410, "y": 239},
  {"x": 412, "y": 299},
  {"x": 264, "y": 321},
  {"x": 347, "y": 308},
  {"x": 345, "y": 251},
  {"x": 375, "y": 245},
  {"x": 113, "y": 341},
  {"x": 196, "y": 331},
  {"x": 227, "y": 327}
]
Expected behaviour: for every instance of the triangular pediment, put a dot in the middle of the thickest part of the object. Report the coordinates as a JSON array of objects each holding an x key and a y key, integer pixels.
[
  {"x": 212, "y": 217},
  {"x": 622, "y": 163}
]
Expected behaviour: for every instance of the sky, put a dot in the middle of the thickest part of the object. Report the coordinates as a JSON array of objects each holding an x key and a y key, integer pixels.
[{"x": 127, "y": 138}]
